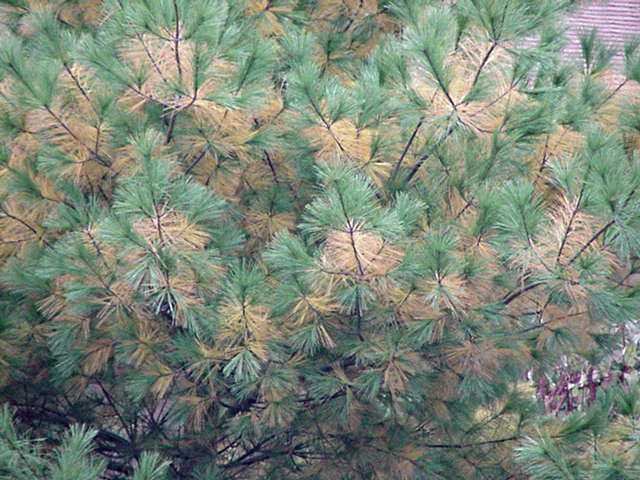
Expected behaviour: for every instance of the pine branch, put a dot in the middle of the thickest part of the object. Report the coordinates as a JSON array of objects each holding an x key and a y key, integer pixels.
[
  {"x": 116, "y": 411},
  {"x": 511, "y": 88},
  {"x": 176, "y": 39},
  {"x": 351, "y": 231},
  {"x": 468, "y": 204},
  {"x": 22, "y": 222},
  {"x": 154, "y": 64},
  {"x": 426, "y": 156},
  {"x": 595, "y": 237},
  {"x": 172, "y": 125},
  {"x": 66, "y": 128},
  {"x": 515, "y": 294},
  {"x": 326, "y": 124},
  {"x": 471, "y": 445},
  {"x": 78, "y": 85},
  {"x": 272, "y": 167},
  {"x": 544, "y": 324},
  {"x": 613, "y": 93},
  {"x": 439, "y": 80},
  {"x": 601, "y": 231},
  {"x": 406, "y": 148},
  {"x": 244, "y": 458},
  {"x": 196, "y": 161},
  {"x": 567, "y": 231},
  {"x": 483, "y": 64},
  {"x": 545, "y": 156},
  {"x": 23, "y": 458}
]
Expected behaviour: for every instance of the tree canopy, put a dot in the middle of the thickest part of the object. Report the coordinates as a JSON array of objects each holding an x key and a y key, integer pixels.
[{"x": 316, "y": 239}]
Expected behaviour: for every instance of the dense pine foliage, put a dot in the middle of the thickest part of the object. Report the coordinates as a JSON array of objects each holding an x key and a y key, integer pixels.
[{"x": 316, "y": 239}]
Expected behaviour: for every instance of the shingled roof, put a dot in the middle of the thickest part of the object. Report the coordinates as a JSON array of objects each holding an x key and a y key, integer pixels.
[{"x": 616, "y": 21}]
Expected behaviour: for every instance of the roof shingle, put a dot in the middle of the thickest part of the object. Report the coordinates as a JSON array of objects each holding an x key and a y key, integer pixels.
[{"x": 616, "y": 21}]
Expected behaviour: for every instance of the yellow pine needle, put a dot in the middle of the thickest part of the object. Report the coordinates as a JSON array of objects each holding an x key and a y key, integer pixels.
[
  {"x": 177, "y": 231},
  {"x": 399, "y": 369},
  {"x": 164, "y": 379},
  {"x": 482, "y": 359},
  {"x": 148, "y": 337},
  {"x": 265, "y": 225},
  {"x": 115, "y": 302},
  {"x": 199, "y": 409},
  {"x": 267, "y": 16},
  {"x": 311, "y": 307},
  {"x": 245, "y": 325},
  {"x": 360, "y": 253},
  {"x": 96, "y": 356},
  {"x": 409, "y": 305},
  {"x": 157, "y": 57},
  {"x": 448, "y": 293}
]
